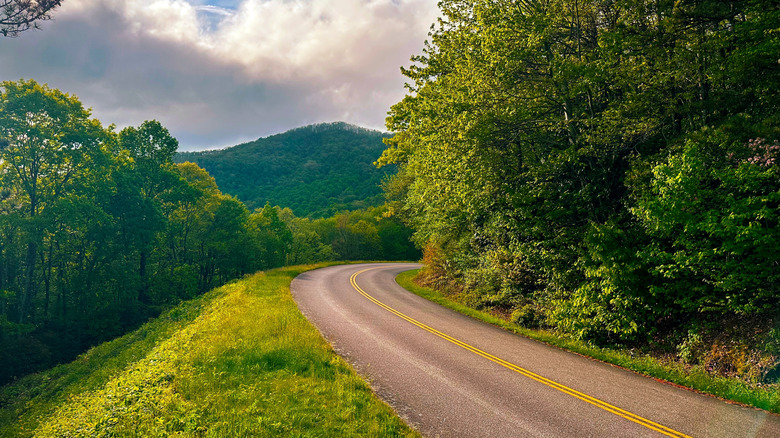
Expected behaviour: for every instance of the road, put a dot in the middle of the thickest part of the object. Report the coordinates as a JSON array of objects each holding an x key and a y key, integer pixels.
[{"x": 449, "y": 375}]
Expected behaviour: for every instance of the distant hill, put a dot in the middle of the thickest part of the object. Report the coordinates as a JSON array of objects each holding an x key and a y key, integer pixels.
[{"x": 316, "y": 170}]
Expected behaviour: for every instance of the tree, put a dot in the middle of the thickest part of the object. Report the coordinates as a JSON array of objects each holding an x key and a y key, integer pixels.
[
  {"x": 49, "y": 140},
  {"x": 712, "y": 211},
  {"x": 530, "y": 138},
  {"x": 16, "y": 16},
  {"x": 150, "y": 178},
  {"x": 271, "y": 236}
]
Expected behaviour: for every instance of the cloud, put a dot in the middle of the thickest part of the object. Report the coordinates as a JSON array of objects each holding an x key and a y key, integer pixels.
[
  {"x": 211, "y": 9},
  {"x": 217, "y": 73}
]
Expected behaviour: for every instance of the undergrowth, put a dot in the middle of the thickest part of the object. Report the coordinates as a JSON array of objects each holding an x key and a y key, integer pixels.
[{"x": 697, "y": 377}]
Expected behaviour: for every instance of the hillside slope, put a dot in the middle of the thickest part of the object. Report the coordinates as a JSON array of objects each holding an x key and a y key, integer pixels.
[
  {"x": 316, "y": 170},
  {"x": 238, "y": 361}
]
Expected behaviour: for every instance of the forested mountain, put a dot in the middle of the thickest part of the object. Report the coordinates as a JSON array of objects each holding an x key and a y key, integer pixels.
[{"x": 316, "y": 170}]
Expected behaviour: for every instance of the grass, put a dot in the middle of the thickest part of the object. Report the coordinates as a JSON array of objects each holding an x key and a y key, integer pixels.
[
  {"x": 765, "y": 397},
  {"x": 239, "y": 361}
]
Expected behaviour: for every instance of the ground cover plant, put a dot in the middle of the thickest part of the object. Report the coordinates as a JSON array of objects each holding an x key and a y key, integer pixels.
[
  {"x": 240, "y": 360},
  {"x": 696, "y": 377}
]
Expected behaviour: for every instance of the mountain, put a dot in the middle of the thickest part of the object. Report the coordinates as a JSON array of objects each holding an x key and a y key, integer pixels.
[{"x": 315, "y": 170}]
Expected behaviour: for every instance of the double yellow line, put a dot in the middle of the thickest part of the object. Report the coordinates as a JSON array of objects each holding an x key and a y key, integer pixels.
[{"x": 531, "y": 375}]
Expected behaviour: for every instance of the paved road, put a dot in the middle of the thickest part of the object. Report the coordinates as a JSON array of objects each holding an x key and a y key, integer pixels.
[{"x": 451, "y": 376}]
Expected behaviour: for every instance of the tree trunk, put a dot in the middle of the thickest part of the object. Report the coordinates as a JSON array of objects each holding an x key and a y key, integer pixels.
[
  {"x": 47, "y": 280},
  {"x": 61, "y": 305},
  {"x": 143, "y": 293},
  {"x": 29, "y": 289}
]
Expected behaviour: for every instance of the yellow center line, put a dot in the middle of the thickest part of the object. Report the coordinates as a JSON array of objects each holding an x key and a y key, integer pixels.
[{"x": 531, "y": 375}]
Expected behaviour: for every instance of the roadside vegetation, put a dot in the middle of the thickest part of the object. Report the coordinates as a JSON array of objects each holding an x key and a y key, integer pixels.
[
  {"x": 669, "y": 368},
  {"x": 240, "y": 360},
  {"x": 607, "y": 170}
]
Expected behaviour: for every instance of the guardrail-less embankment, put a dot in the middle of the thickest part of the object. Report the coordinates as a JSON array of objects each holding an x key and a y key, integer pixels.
[{"x": 238, "y": 361}]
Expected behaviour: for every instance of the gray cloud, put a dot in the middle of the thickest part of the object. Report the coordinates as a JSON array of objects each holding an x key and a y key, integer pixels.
[{"x": 270, "y": 66}]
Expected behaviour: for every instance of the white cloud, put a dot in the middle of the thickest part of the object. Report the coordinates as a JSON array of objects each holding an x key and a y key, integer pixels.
[
  {"x": 216, "y": 73},
  {"x": 211, "y": 9}
]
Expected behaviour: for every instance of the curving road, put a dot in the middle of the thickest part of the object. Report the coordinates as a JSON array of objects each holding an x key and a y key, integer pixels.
[{"x": 448, "y": 375}]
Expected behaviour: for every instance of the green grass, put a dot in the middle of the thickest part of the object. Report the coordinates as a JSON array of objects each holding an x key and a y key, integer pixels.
[
  {"x": 238, "y": 361},
  {"x": 765, "y": 397}
]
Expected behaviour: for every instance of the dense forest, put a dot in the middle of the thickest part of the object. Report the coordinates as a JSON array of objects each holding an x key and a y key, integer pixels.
[
  {"x": 100, "y": 230},
  {"x": 315, "y": 170},
  {"x": 608, "y": 169}
]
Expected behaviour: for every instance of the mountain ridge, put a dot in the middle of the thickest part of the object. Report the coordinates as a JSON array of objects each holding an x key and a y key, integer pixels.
[{"x": 316, "y": 170}]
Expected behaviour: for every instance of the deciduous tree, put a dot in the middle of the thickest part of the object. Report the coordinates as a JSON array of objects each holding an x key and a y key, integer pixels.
[{"x": 50, "y": 139}]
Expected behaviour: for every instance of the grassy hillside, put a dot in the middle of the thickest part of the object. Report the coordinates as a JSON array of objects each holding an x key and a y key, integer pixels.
[
  {"x": 316, "y": 170},
  {"x": 238, "y": 361}
]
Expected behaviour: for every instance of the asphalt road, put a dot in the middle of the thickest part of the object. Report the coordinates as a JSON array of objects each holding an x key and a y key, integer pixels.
[{"x": 448, "y": 375}]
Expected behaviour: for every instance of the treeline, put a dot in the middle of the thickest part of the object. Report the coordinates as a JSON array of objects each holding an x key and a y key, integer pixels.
[
  {"x": 371, "y": 234},
  {"x": 100, "y": 230},
  {"x": 608, "y": 169}
]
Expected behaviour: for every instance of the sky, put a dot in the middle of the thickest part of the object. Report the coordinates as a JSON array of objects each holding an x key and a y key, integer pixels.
[{"x": 221, "y": 72}]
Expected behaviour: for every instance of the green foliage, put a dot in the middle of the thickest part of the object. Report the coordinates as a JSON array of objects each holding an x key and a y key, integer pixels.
[
  {"x": 610, "y": 168},
  {"x": 101, "y": 230},
  {"x": 698, "y": 376},
  {"x": 50, "y": 148},
  {"x": 316, "y": 170},
  {"x": 712, "y": 212},
  {"x": 370, "y": 234},
  {"x": 272, "y": 235}
]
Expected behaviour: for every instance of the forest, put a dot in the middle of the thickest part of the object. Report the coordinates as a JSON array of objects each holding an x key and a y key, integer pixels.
[
  {"x": 100, "y": 230},
  {"x": 316, "y": 170},
  {"x": 606, "y": 169}
]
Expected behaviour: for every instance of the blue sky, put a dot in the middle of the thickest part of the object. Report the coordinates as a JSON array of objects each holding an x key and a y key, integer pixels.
[{"x": 220, "y": 72}]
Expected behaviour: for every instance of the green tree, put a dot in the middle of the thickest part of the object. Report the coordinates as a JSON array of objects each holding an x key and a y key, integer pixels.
[
  {"x": 712, "y": 211},
  {"x": 227, "y": 237},
  {"x": 530, "y": 135},
  {"x": 146, "y": 183},
  {"x": 306, "y": 246},
  {"x": 48, "y": 139},
  {"x": 271, "y": 236}
]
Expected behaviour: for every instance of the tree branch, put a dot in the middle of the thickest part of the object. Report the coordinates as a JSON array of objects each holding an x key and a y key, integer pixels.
[{"x": 16, "y": 16}]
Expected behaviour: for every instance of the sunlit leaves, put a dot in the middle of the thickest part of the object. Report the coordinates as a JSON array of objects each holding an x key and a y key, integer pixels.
[{"x": 559, "y": 134}]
